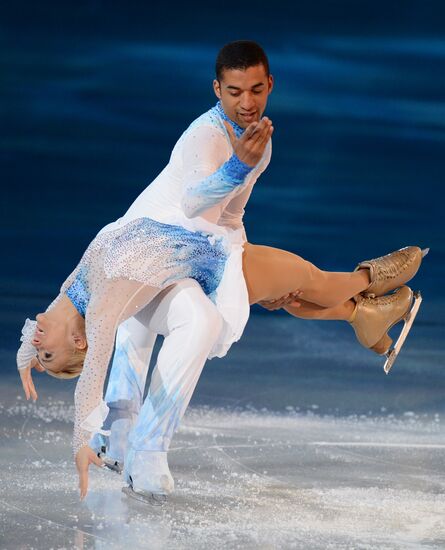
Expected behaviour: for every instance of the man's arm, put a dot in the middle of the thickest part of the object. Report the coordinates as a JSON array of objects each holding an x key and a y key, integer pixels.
[
  {"x": 208, "y": 175},
  {"x": 233, "y": 213}
]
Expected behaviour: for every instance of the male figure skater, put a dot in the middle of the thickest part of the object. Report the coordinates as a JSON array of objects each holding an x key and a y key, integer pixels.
[{"x": 193, "y": 328}]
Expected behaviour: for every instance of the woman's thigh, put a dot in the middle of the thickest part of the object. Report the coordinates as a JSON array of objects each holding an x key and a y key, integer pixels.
[{"x": 271, "y": 272}]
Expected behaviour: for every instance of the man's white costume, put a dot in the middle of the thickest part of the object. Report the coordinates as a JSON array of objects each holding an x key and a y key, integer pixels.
[{"x": 186, "y": 225}]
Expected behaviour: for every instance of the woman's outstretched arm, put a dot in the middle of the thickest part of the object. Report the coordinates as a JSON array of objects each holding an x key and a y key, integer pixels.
[{"x": 114, "y": 302}]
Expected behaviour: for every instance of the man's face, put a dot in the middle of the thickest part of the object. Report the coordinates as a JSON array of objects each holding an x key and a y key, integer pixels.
[{"x": 244, "y": 93}]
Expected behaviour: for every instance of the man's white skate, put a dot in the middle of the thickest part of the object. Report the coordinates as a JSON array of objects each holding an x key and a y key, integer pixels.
[
  {"x": 154, "y": 499},
  {"x": 392, "y": 354}
]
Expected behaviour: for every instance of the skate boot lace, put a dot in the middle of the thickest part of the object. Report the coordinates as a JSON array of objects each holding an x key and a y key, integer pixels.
[{"x": 381, "y": 300}]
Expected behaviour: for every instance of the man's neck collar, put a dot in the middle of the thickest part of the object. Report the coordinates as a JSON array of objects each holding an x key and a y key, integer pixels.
[{"x": 236, "y": 127}]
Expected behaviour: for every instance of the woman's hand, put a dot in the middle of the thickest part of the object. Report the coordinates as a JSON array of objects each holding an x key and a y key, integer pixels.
[
  {"x": 290, "y": 299},
  {"x": 27, "y": 383},
  {"x": 84, "y": 458}
]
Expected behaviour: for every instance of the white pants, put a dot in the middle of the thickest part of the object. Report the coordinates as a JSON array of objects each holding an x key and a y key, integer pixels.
[{"x": 190, "y": 324}]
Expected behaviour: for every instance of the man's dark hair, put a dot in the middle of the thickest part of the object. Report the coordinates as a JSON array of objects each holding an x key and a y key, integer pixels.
[{"x": 240, "y": 54}]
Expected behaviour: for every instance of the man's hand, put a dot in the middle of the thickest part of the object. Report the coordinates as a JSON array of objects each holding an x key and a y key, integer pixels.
[
  {"x": 84, "y": 458},
  {"x": 27, "y": 383},
  {"x": 250, "y": 147},
  {"x": 290, "y": 299}
]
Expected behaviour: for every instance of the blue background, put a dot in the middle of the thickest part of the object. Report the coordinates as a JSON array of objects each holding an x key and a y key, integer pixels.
[{"x": 93, "y": 96}]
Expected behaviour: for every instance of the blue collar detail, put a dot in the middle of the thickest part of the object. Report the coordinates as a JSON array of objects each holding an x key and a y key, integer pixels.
[{"x": 236, "y": 127}]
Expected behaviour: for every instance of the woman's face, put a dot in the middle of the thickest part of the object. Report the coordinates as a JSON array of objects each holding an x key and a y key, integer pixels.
[{"x": 52, "y": 342}]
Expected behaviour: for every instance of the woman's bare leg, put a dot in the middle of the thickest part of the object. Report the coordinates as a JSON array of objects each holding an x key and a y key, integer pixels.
[
  {"x": 271, "y": 273},
  {"x": 307, "y": 310}
]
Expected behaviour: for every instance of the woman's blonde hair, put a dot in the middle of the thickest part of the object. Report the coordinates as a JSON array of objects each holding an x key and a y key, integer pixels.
[{"x": 73, "y": 366}]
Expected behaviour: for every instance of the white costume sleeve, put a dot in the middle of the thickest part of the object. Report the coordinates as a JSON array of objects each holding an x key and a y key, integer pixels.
[
  {"x": 115, "y": 301},
  {"x": 232, "y": 215},
  {"x": 209, "y": 176},
  {"x": 26, "y": 350}
]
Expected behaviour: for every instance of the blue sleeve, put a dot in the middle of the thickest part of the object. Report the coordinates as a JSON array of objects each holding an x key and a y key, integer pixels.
[
  {"x": 209, "y": 174},
  {"x": 205, "y": 193}
]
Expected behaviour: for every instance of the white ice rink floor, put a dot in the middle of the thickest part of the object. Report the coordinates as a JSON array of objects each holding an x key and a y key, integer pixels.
[
  {"x": 295, "y": 440},
  {"x": 243, "y": 480}
]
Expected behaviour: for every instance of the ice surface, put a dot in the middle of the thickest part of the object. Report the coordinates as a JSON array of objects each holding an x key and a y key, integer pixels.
[
  {"x": 295, "y": 440},
  {"x": 244, "y": 479}
]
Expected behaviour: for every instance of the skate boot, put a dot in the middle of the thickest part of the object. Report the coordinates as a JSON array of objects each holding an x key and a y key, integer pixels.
[
  {"x": 111, "y": 449},
  {"x": 374, "y": 317},
  {"x": 393, "y": 270},
  {"x": 148, "y": 476},
  {"x": 99, "y": 444}
]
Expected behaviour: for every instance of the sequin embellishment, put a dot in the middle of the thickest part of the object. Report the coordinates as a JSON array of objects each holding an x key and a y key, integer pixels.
[
  {"x": 158, "y": 254},
  {"x": 78, "y": 292}
]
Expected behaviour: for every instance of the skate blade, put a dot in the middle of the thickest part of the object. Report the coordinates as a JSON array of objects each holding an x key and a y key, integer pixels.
[
  {"x": 110, "y": 464},
  {"x": 152, "y": 499},
  {"x": 425, "y": 252},
  {"x": 409, "y": 320}
]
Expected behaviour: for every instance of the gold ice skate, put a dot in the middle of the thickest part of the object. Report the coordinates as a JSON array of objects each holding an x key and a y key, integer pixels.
[
  {"x": 374, "y": 317},
  {"x": 393, "y": 270}
]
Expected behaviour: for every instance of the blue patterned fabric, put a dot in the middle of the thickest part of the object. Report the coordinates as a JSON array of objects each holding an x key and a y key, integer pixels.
[
  {"x": 236, "y": 127},
  {"x": 235, "y": 170},
  {"x": 154, "y": 253},
  {"x": 78, "y": 292},
  {"x": 202, "y": 194},
  {"x": 159, "y": 254}
]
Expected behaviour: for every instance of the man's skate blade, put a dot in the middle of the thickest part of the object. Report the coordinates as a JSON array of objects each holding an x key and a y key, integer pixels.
[
  {"x": 147, "y": 498},
  {"x": 110, "y": 464},
  {"x": 116, "y": 467},
  {"x": 409, "y": 320}
]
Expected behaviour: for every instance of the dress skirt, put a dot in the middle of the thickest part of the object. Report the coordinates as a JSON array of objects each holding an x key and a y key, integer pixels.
[{"x": 159, "y": 254}]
